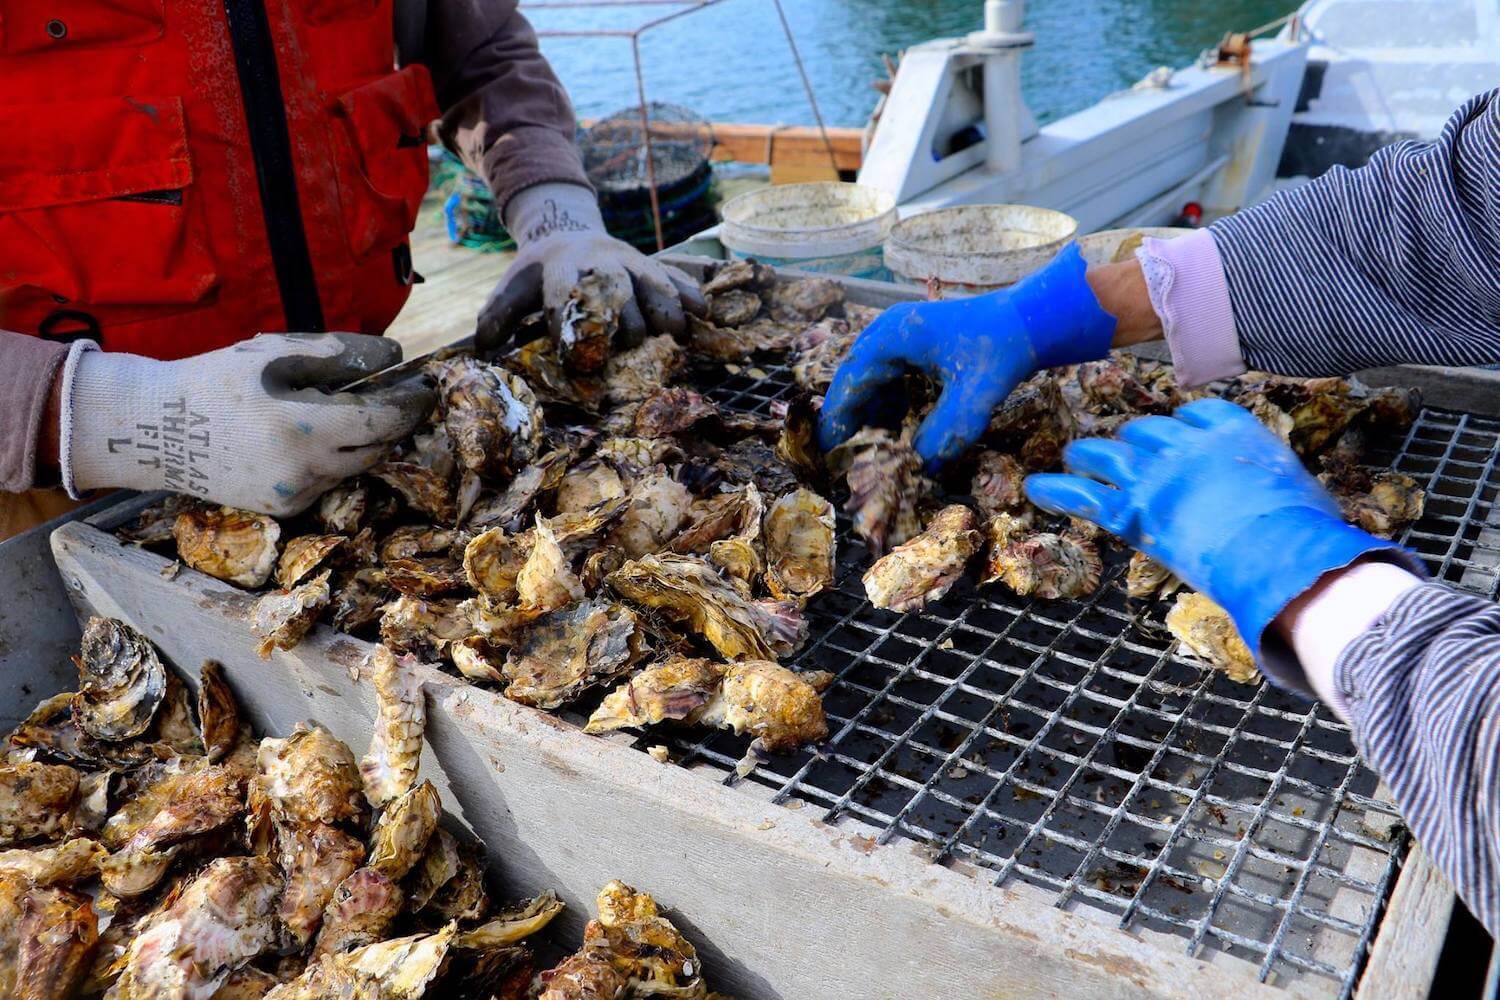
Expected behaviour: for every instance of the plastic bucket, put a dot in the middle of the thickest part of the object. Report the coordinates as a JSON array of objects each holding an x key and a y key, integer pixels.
[
  {"x": 1110, "y": 246},
  {"x": 823, "y": 226},
  {"x": 975, "y": 248}
]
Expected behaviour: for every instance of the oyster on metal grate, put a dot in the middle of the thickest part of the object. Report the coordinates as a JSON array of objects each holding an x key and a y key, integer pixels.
[
  {"x": 688, "y": 590},
  {"x": 817, "y": 352},
  {"x": 424, "y": 490},
  {"x": 309, "y": 777},
  {"x": 800, "y": 546},
  {"x": 539, "y": 363},
  {"x": 634, "y": 374},
  {"x": 526, "y": 491},
  {"x": 121, "y": 681},
  {"x": 1147, "y": 578},
  {"x": 224, "y": 918},
  {"x": 403, "y": 830},
  {"x": 885, "y": 487},
  {"x": 726, "y": 528},
  {"x": 303, "y": 554},
  {"x": 72, "y": 861},
  {"x": 635, "y": 456},
  {"x": 1040, "y": 563},
  {"x": 315, "y": 858},
  {"x": 1206, "y": 630},
  {"x": 805, "y": 301},
  {"x": 1111, "y": 386},
  {"x": 733, "y": 307},
  {"x": 997, "y": 485},
  {"x": 493, "y": 561},
  {"x": 1380, "y": 501},
  {"x": 754, "y": 461},
  {"x": 344, "y": 509},
  {"x": 669, "y": 411},
  {"x": 235, "y": 546},
  {"x": 797, "y": 441},
  {"x": 491, "y": 415},
  {"x": 283, "y": 617},
  {"x": 927, "y": 566},
  {"x": 656, "y": 509},
  {"x": 361, "y": 911},
  {"x": 389, "y": 769},
  {"x": 1035, "y": 422},
  {"x": 674, "y": 690},
  {"x": 571, "y": 650}
]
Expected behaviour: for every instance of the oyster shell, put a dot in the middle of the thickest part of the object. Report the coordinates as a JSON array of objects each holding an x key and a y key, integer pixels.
[
  {"x": 424, "y": 490},
  {"x": 688, "y": 590},
  {"x": 739, "y": 274},
  {"x": 800, "y": 546},
  {"x": 924, "y": 568},
  {"x": 399, "y": 969},
  {"x": 309, "y": 777},
  {"x": 54, "y": 939},
  {"x": 634, "y": 374},
  {"x": 222, "y": 919},
  {"x": 51, "y": 732},
  {"x": 343, "y": 509},
  {"x": 121, "y": 681},
  {"x": 174, "y": 727},
  {"x": 476, "y": 659},
  {"x": 68, "y": 863},
  {"x": 402, "y": 832},
  {"x": 797, "y": 443},
  {"x": 389, "y": 769},
  {"x": 153, "y": 525},
  {"x": 589, "y": 319},
  {"x": 425, "y": 576},
  {"x": 540, "y": 364},
  {"x": 676, "y": 689},
  {"x": 362, "y": 909},
  {"x": 514, "y": 923},
  {"x": 145, "y": 792},
  {"x": 546, "y": 580},
  {"x": 315, "y": 858},
  {"x": 1042, "y": 564},
  {"x": 776, "y": 706},
  {"x": 587, "y": 974},
  {"x": 414, "y": 540},
  {"x": 635, "y": 456},
  {"x": 885, "y": 486},
  {"x": 462, "y": 896},
  {"x": 996, "y": 486},
  {"x": 653, "y": 954},
  {"x": 569, "y": 651},
  {"x": 438, "y": 866},
  {"x": 1110, "y": 386},
  {"x": 423, "y": 626},
  {"x": 804, "y": 301},
  {"x": 589, "y": 483},
  {"x": 733, "y": 307},
  {"x": 1035, "y": 422},
  {"x": 204, "y": 801},
  {"x": 491, "y": 414},
  {"x": 1206, "y": 631},
  {"x": 303, "y": 554},
  {"x": 282, "y": 617},
  {"x": 818, "y": 351},
  {"x": 358, "y": 600},
  {"x": 492, "y": 564},
  {"x": 218, "y": 712},
  {"x": 247, "y": 983},
  {"x": 35, "y": 800},
  {"x": 754, "y": 461},
  {"x": 1147, "y": 578},
  {"x": 509, "y": 507},
  {"x": 1380, "y": 501},
  {"x": 669, "y": 411},
  {"x": 658, "y": 505},
  {"x": 235, "y": 546}
]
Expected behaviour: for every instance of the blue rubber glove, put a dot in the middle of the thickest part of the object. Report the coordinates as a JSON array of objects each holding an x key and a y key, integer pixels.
[
  {"x": 980, "y": 348},
  {"x": 1220, "y": 501}
]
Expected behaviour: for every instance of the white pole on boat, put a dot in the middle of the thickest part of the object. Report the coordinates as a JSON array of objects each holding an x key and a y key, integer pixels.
[{"x": 1001, "y": 43}]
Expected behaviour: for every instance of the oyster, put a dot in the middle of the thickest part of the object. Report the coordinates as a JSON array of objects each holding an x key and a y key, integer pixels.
[
  {"x": 147, "y": 791},
  {"x": 739, "y": 274},
  {"x": 363, "y": 907},
  {"x": 996, "y": 486},
  {"x": 403, "y": 829},
  {"x": 50, "y": 731},
  {"x": 424, "y": 490},
  {"x": 1110, "y": 386},
  {"x": 635, "y": 456},
  {"x": 70, "y": 862},
  {"x": 247, "y": 983},
  {"x": 733, "y": 307},
  {"x": 315, "y": 858},
  {"x": 1206, "y": 631},
  {"x": 753, "y": 461},
  {"x": 153, "y": 525},
  {"x": 818, "y": 351},
  {"x": 54, "y": 940},
  {"x": 491, "y": 414},
  {"x": 222, "y": 919},
  {"x": 671, "y": 411},
  {"x": 92, "y": 811},
  {"x": 513, "y": 924},
  {"x": 35, "y": 800},
  {"x": 572, "y": 650},
  {"x": 688, "y": 590},
  {"x": 538, "y": 362},
  {"x": 804, "y": 301},
  {"x": 644, "y": 945},
  {"x": 589, "y": 319},
  {"x": 1034, "y": 422},
  {"x": 546, "y": 580},
  {"x": 462, "y": 896},
  {"x": 634, "y": 374},
  {"x": 588, "y": 483},
  {"x": 389, "y": 769},
  {"x": 1042, "y": 564},
  {"x": 399, "y": 969},
  {"x": 718, "y": 516},
  {"x": 343, "y": 509},
  {"x": 475, "y": 658},
  {"x": 218, "y": 712},
  {"x": 413, "y": 540},
  {"x": 885, "y": 486},
  {"x": 658, "y": 505},
  {"x": 425, "y": 576},
  {"x": 174, "y": 727},
  {"x": 799, "y": 546},
  {"x": 1379, "y": 501},
  {"x": 121, "y": 681},
  {"x": 438, "y": 866},
  {"x": 282, "y": 617},
  {"x": 925, "y": 567},
  {"x": 235, "y": 546},
  {"x": 358, "y": 600},
  {"x": 205, "y": 800},
  {"x": 509, "y": 507},
  {"x": 423, "y": 626},
  {"x": 674, "y": 690},
  {"x": 587, "y": 974},
  {"x": 309, "y": 777},
  {"x": 797, "y": 443},
  {"x": 1147, "y": 578},
  {"x": 303, "y": 554}
]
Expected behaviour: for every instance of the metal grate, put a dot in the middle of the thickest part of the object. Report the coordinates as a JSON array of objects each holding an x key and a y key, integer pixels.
[{"x": 1065, "y": 744}]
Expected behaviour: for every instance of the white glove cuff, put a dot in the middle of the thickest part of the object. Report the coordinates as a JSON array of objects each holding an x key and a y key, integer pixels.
[
  {"x": 65, "y": 432},
  {"x": 544, "y": 209}
]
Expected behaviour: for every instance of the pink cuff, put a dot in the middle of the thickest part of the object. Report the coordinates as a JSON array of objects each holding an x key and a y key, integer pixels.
[{"x": 1185, "y": 279}]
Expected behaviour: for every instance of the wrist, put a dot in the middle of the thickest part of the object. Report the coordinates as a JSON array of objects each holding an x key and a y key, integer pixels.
[
  {"x": 543, "y": 210},
  {"x": 112, "y": 419},
  {"x": 1121, "y": 291}
]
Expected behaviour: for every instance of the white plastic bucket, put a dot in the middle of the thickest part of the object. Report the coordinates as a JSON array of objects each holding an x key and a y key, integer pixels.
[
  {"x": 1110, "y": 246},
  {"x": 975, "y": 248},
  {"x": 823, "y": 226}
]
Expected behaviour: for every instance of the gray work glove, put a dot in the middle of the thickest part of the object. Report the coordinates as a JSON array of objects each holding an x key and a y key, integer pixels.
[
  {"x": 254, "y": 425},
  {"x": 561, "y": 237}
]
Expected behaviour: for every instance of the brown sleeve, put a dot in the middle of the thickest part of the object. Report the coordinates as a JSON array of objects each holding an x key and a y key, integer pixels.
[
  {"x": 504, "y": 111},
  {"x": 29, "y": 365}
]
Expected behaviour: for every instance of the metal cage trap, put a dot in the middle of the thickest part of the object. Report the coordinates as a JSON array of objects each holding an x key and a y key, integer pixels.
[{"x": 1066, "y": 744}]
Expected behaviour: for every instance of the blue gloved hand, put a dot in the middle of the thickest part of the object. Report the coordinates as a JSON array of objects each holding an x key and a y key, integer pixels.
[
  {"x": 1220, "y": 501},
  {"x": 980, "y": 348}
]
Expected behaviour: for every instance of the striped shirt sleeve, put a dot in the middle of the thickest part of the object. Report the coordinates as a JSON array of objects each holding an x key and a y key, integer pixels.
[
  {"x": 1423, "y": 690},
  {"x": 1397, "y": 261}
]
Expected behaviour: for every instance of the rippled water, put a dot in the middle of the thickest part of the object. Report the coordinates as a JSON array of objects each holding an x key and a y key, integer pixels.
[{"x": 730, "y": 62}]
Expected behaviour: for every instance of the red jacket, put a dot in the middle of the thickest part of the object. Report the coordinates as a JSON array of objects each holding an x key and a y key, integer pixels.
[{"x": 176, "y": 175}]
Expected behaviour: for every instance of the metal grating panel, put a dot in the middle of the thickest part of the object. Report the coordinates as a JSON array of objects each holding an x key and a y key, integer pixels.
[{"x": 1064, "y": 743}]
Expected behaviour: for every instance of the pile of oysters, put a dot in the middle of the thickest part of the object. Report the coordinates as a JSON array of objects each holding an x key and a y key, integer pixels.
[
  {"x": 577, "y": 525},
  {"x": 151, "y": 847}
]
